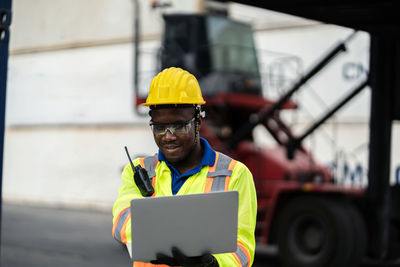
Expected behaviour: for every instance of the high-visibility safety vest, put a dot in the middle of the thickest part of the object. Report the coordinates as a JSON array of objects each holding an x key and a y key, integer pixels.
[{"x": 226, "y": 175}]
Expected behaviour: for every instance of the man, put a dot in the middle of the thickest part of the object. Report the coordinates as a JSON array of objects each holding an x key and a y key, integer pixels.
[{"x": 186, "y": 164}]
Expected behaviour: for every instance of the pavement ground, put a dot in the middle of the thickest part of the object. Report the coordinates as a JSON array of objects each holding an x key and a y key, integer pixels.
[
  {"x": 47, "y": 237},
  {"x": 38, "y": 236}
]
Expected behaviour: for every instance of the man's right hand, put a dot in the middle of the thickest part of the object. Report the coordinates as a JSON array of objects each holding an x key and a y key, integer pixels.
[{"x": 180, "y": 259}]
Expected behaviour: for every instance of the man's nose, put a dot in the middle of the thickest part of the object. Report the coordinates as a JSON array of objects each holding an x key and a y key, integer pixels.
[{"x": 169, "y": 134}]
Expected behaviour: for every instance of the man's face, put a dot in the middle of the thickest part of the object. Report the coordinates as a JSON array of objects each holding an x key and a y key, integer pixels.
[{"x": 175, "y": 146}]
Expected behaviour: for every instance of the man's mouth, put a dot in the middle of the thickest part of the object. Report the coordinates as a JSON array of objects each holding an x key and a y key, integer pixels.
[{"x": 170, "y": 148}]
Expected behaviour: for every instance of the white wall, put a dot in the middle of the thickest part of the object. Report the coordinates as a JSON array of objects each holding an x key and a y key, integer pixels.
[
  {"x": 44, "y": 24},
  {"x": 70, "y": 166},
  {"x": 73, "y": 86}
]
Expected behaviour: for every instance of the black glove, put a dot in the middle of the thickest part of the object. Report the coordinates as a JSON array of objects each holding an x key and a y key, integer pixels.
[{"x": 180, "y": 259}]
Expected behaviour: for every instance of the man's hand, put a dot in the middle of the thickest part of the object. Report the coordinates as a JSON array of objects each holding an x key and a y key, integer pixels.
[{"x": 180, "y": 259}]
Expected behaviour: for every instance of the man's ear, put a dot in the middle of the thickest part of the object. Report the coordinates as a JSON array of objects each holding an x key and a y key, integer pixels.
[{"x": 202, "y": 115}]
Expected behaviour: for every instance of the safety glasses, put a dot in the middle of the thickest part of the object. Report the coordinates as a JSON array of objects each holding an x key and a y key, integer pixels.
[{"x": 175, "y": 128}]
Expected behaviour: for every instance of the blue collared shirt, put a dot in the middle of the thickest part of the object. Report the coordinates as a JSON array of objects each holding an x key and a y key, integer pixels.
[{"x": 179, "y": 179}]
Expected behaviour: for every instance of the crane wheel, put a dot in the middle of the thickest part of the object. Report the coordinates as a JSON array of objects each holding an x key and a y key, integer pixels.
[
  {"x": 360, "y": 234},
  {"x": 314, "y": 231}
]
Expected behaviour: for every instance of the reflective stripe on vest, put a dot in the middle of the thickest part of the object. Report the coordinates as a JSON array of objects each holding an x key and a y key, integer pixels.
[
  {"x": 120, "y": 225},
  {"x": 147, "y": 264},
  {"x": 150, "y": 164},
  {"x": 241, "y": 255},
  {"x": 219, "y": 175}
]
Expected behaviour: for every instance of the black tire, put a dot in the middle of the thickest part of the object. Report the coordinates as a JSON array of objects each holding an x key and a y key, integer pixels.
[
  {"x": 360, "y": 235},
  {"x": 314, "y": 231}
]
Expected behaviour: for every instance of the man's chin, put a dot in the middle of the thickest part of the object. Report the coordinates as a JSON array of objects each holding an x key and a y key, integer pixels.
[{"x": 172, "y": 157}]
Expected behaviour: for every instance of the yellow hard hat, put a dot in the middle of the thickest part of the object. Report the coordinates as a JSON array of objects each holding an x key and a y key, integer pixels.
[{"x": 174, "y": 86}]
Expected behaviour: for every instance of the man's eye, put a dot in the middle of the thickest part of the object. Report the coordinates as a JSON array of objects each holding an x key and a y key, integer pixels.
[
  {"x": 179, "y": 127},
  {"x": 158, "y": 127}
]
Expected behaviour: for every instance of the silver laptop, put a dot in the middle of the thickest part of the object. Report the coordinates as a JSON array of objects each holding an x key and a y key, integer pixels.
[{"x": 196, "y": 224}]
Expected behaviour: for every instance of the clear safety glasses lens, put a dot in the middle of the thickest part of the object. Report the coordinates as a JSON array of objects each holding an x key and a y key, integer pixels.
[{"x": 174, "y": 128}]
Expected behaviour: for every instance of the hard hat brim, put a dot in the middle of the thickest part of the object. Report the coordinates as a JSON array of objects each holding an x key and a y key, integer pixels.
[{"x": 171, "y": 103}]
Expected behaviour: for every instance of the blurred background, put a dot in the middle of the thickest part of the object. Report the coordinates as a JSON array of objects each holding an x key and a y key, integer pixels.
[{"x": 71, "y": 104}]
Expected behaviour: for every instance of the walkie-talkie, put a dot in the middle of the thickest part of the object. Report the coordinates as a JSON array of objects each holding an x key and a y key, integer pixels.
[{"x": 141, "y": 178}]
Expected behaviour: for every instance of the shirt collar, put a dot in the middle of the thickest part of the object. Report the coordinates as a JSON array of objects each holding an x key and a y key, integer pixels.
[{"x": 208, "y": 156}]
